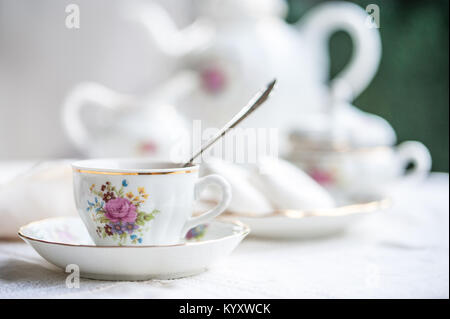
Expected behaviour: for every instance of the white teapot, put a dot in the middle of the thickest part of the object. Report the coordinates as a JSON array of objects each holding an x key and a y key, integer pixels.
[
  {"x": 104, "y": 123},
  {"x": 235, "y": 47}
]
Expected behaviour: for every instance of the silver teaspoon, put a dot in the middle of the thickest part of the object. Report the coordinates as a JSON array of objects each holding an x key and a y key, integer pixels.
[{"x": 252, "y": 105}]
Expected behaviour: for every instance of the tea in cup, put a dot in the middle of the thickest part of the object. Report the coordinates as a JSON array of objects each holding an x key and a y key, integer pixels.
[{"x": 140, "y": 202}]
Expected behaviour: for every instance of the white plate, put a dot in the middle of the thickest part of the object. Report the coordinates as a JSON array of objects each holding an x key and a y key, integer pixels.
[
  {"x": 308, "y": 224},
  {"x": 64, "y": 241}
]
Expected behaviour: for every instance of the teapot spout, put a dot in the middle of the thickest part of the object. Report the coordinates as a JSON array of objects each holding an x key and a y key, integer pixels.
[{"x": 163, "y": 31}]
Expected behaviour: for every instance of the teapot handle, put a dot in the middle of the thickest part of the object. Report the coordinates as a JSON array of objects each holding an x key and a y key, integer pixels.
[
  {"x": 83, "y": 95},
  {"x": 317, "y": 27},
  {"x": 418, "y": 154}
]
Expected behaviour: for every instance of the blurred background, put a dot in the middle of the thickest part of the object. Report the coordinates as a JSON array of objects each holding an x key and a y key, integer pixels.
[
  {"x": 411, "y": 86},
  {"x": 41, "y": 61}
]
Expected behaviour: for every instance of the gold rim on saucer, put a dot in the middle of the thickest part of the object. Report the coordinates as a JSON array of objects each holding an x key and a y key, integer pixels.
[
  {"x": 365, "y": 207},
  {"x": 242, "y": 233}
]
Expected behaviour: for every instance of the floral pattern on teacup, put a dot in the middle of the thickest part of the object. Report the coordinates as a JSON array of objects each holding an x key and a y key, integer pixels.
[
  {"x": 196, "y": 233},
  {"x": 118, "y": 211}
]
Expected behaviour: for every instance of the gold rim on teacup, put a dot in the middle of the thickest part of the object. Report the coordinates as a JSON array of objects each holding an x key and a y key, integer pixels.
[
  {"x": 97, "y": 166},
  {"x": 133, "y": 173}
]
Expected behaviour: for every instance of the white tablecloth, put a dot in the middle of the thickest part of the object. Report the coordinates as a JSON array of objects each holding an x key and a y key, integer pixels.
[{"x": 400, "y": 253}]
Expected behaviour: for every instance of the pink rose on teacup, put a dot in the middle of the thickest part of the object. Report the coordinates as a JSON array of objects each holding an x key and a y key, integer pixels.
[{"x": 120, "y": 210}]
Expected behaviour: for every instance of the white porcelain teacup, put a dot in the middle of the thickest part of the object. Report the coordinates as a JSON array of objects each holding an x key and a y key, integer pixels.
[
  {"x": 366, "y": 170},
  {"x": 140, "y": 202}
]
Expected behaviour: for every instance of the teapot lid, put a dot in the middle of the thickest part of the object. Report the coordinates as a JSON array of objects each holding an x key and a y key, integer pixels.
[{"x": 345, "y": 127}]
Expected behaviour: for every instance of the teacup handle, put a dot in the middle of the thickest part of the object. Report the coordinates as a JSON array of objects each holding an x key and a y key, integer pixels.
[
  {"x": 416, "y": 153},
  {"x": 218, "y": 209}
]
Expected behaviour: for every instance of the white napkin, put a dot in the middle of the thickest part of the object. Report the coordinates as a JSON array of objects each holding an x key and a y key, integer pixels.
[
  {"x": 272, "y": 184},
  {"x": 245, "y": 197},
  {"x": 33, "y": 192},
  {"x": 288, "y": 187}
]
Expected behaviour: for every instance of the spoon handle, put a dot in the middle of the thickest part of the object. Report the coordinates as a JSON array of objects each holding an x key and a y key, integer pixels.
[{"x": 252, "y": 105}]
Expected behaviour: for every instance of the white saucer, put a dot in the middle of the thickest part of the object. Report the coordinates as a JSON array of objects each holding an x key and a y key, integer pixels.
[
  {"x": 63, "y": 241},
  {"x": 308, "y": 224}
]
